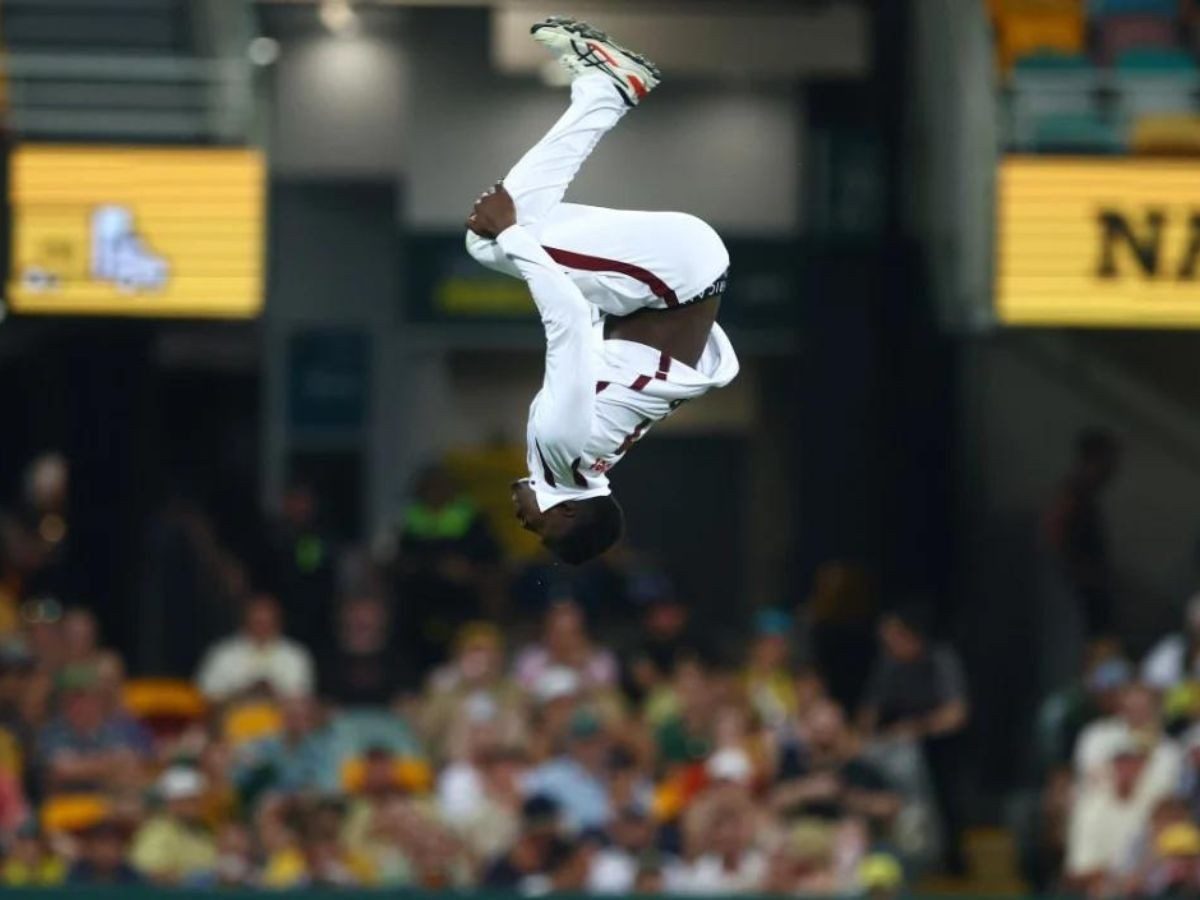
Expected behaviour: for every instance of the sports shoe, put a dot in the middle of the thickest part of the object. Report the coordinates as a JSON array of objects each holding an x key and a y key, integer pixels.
[{"x": 582, "y": 49}]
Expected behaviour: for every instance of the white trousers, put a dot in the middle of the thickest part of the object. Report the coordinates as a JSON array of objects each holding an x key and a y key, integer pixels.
[{"x": 621, "y": 260}]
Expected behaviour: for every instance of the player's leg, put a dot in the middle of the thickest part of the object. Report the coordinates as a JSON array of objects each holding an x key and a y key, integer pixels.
[
  {"x": 608, "y": 79},
  {"x": 626, "y": 260}
]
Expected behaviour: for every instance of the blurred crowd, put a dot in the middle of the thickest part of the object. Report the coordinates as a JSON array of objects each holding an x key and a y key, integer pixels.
[
  {"x": 1113, "y": 804},
  {"x": 398, "y": 719}
]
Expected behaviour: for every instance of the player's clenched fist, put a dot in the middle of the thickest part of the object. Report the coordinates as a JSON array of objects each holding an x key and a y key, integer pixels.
[{"x": 493, "y": 214}]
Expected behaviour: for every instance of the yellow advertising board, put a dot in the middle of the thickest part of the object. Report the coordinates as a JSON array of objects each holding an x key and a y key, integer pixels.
[
  {"x": 137, "y": 231},
  {"x": 1098, "y": 242}
]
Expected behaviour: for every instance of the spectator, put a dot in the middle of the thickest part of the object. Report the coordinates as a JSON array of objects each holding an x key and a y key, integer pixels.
[
  {"x": 666, "y": 637},
  {"x": 614, "y": 869},
  {"x": 472, "y": 687},
  {"x": 176, "y": 845},
  {"x": 1138, "y": 716},
  {"x": 1111, "y": 809},
  {"x": 447, "y": 566},
  {"x": 1075, "y": 530},
  {"x": 1176, "y": 658},
  {"x": 303, "y": 757},
  {"x": 257, "y": 656},
  {"x": 525, "y": 863},
  {"x": 363, "y": 667},
  {"x": 720, "y": 837},
  {"x": 490, "y": 824},
  {"x": 1064, "y": 715},
  {"x": 86, "y": 748},
  {"x": 81, "y": 640},
  {"x": 917, "y": 692},
  {"x": 298, "y": 565},
  {"x": 565, "y": 643},
  {"x": 578, "y": 780},
  {"x": 102, "y": 857},
  {"x": 1176, "y": 869},
  {"x": 768, "y": 677},
  {"x": 30, "y": 863},
  {"x": 827, "y": 778}
]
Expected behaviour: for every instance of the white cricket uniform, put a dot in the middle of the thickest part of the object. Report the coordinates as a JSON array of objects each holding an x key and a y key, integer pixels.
[{"x": 600, "y": 396}]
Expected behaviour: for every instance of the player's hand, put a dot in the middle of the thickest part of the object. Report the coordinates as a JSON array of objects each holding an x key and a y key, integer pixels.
[{"x": 493, "y": 213}]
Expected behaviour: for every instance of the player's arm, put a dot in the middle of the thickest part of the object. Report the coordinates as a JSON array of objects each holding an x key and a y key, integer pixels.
[{"x": 569, "y": 389}]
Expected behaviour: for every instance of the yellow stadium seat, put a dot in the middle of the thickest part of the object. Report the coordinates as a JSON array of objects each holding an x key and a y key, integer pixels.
[
  {"x": 73, "y": 812},
  {"x": 1023, "y": 33},
  {"x": 164, "y": 704},
  {"x": 1173, "y": 135},
  {"x": 250, "y": 722},
  {"x": 409, "y": 774}
]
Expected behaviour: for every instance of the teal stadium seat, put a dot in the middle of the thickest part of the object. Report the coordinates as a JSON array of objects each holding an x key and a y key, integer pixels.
[
  {"x": 1168, "y": 9},
  {"x": 1089, "y": 133},
  {"x": 1046, "y": 86},
  {"x": 1155, "y": 61}
]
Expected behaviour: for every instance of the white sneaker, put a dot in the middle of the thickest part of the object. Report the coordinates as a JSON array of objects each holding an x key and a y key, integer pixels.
[{"x": 583, "y": 49}]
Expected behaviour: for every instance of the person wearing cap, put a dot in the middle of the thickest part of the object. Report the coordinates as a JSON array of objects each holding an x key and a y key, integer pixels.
[
  {"x": 176, "y": 845},
  {"x": 1176, "y": 867},
  {"x": 767, "y": 676},
  {"x": 1138, "y": 715},
  {"x": 881, "y": 876},
  {"x": 1064, "y": 714},
  {"x": 578, "y": 779},
  {"x": 1111, "y": 810},
  {"x": 1176, "y": 657}
]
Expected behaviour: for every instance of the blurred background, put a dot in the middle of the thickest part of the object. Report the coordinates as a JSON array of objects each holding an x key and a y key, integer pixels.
[{"x": 909, "y": 607}]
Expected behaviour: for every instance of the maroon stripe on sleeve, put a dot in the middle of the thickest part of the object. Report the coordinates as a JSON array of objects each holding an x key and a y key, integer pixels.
[{"x": 573, "y": 260}]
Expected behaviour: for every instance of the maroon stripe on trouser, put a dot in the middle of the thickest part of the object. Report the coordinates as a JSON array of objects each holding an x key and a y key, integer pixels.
[
  {"x": 640, "y": 382},
  {"x": 664, "y": 366},
  {"x": 573, "y": 260}
]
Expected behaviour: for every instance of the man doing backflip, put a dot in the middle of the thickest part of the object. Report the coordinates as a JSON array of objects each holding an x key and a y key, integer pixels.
[{"x": 628, "y": 301}]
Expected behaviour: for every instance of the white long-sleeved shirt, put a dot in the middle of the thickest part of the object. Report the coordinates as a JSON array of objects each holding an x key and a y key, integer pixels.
[{"x": 598, "y": 396}]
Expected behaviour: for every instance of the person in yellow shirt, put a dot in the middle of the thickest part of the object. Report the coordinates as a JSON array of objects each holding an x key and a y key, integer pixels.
[
  {"x": 767, "y": 677},
  {"x": 30, "y": 863},
  {"x": 176, "y": 845}
]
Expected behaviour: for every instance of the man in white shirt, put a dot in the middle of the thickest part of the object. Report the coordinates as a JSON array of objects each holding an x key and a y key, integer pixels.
[
  {"x": 628, "y": 301},
  {"x": 258, "y": 655},
  {"x": 1112, "y": 808},
  {"x": 1138, "y": 716}
]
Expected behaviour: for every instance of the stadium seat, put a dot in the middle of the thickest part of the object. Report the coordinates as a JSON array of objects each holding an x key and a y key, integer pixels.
[
  {"x": 1117, "y": 35},
  {"x": 408, "y": 774},
  {"x": 249, "y": 722},
  {"x": 1088, "y": 133},
  {"x": 1177, "y": 135},
  {"x": 1020, "y": 34},
  {"x": 1168, "y": 9},
  {"x": 164, "y": 705},
  {"x": 1043, "y": 90},
  {"x": 1155, "y": 61},
  {"x": 69, "y": 813}
]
